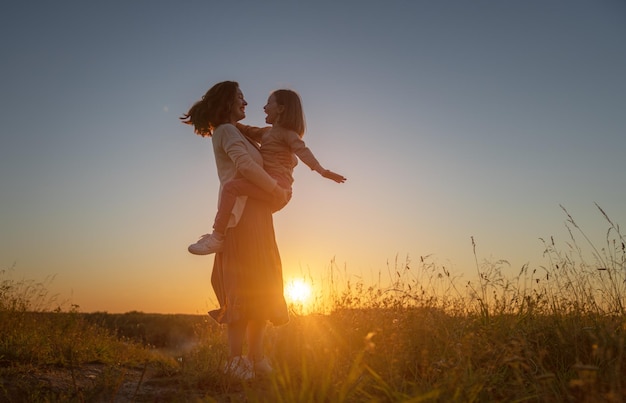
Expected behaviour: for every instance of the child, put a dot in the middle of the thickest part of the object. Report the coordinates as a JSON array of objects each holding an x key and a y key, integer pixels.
[{"x": 280, "y": 144}]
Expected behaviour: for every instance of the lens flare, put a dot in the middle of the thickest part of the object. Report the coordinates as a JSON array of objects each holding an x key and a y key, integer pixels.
[{"x": 298, "y": 291}]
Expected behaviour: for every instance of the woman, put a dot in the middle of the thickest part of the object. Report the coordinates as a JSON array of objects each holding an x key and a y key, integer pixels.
[{"x": 247, "y": 274}]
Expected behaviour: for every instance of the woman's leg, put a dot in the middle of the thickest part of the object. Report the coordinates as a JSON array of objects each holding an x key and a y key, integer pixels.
[
  {"x": 238, "y": 365},
  {"x": 236, "y": 335},
  {"x": 256, "y": 333}
]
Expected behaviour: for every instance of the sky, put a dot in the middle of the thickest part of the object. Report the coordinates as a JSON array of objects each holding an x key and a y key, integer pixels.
[{"x": 450, "y": 119}]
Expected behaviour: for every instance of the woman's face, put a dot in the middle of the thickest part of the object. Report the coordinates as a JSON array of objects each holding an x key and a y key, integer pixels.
[
  {"x": 238, "y": 110},
  {"x": 272, "y": 110}
]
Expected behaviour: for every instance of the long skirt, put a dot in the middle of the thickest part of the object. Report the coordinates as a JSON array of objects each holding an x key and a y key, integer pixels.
[{"x": 247, "y": 275}]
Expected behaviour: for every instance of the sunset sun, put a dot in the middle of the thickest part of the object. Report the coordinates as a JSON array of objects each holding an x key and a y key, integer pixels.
[{"x": 298, "y": 291}]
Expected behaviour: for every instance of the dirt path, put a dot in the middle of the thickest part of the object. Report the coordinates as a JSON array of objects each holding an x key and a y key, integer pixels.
[
  {"x": 92, "y": 382},
  {"x": 97, "y": 382}
]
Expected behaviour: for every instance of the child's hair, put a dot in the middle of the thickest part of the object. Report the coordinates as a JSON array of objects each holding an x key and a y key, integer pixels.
[
  {"x": 292, "y": 117},
  {"x": 213, "y": 109}
]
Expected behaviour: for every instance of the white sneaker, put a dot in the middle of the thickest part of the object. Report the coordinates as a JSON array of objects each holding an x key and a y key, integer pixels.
[
  {"x": 263, "y": 367},
  {"x": 239, "y": 368},
  {"x": 206, "y": 245}
]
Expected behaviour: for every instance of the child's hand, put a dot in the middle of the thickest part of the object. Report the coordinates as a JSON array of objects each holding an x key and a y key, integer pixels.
[{"x": 333, "y": 176}]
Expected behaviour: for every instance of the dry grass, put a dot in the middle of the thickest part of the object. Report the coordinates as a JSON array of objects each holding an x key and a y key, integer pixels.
[{"x": 549, "y": 334}]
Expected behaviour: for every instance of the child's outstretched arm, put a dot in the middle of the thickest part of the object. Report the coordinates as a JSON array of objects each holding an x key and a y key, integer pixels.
[{"x": 298, "y": 147}]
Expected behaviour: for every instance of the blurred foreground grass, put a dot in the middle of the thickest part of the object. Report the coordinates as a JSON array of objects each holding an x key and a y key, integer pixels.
[{"x": 552, "y": 333}]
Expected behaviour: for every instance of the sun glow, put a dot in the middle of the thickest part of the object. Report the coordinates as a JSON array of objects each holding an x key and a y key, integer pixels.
[{"x": 298, "y": 291}]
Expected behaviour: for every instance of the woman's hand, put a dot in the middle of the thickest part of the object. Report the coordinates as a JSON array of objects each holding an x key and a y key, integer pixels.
[{"x": 281, "y": 195}]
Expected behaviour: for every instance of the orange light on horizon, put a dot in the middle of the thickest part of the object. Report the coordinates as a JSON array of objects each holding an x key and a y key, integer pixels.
[{"x": 298, "y": 292}]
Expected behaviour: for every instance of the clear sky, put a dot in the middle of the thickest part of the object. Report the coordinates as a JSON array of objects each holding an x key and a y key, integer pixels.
[{"x": 450, "y": 119}]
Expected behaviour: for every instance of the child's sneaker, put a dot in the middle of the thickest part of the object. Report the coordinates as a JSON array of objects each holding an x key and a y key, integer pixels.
[{"x": 206, "y": 245}]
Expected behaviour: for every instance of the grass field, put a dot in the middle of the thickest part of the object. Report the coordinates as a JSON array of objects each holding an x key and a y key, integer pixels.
[{"x": 554, "y": 333}]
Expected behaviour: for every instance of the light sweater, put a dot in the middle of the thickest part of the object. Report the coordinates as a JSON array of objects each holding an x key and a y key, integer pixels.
[
  {"x": 238, "y": 157},
  {"x": 279, "y": 145}
]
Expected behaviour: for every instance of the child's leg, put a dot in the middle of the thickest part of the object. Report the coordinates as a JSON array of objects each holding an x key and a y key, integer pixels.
[
  {"x": 212, "y": 243},
  {"x": 230, "y": 191},
  {"x": 283, "y": 182}
]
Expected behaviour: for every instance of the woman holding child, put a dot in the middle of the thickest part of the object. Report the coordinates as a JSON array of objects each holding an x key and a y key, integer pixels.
[
  {"x": 247, "y": 274},
  {"x": 255, "y": 181}
]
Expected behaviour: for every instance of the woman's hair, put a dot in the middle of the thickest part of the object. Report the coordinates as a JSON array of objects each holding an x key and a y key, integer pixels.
[
  {"x": 292, "y": 117},
  {"x": 213, "y": 109}
]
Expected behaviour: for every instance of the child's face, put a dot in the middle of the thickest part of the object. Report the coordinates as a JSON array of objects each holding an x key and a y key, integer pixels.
[{"x": 272, "y": 110}]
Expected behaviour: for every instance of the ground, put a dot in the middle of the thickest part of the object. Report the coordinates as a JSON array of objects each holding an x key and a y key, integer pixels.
[{"x": 97, "y": 382}]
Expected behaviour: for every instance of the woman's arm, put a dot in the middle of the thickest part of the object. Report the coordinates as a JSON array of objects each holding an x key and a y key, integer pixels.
[
  {"x": 252, "y": 132},
  {"x": 234, "y": 144}
]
